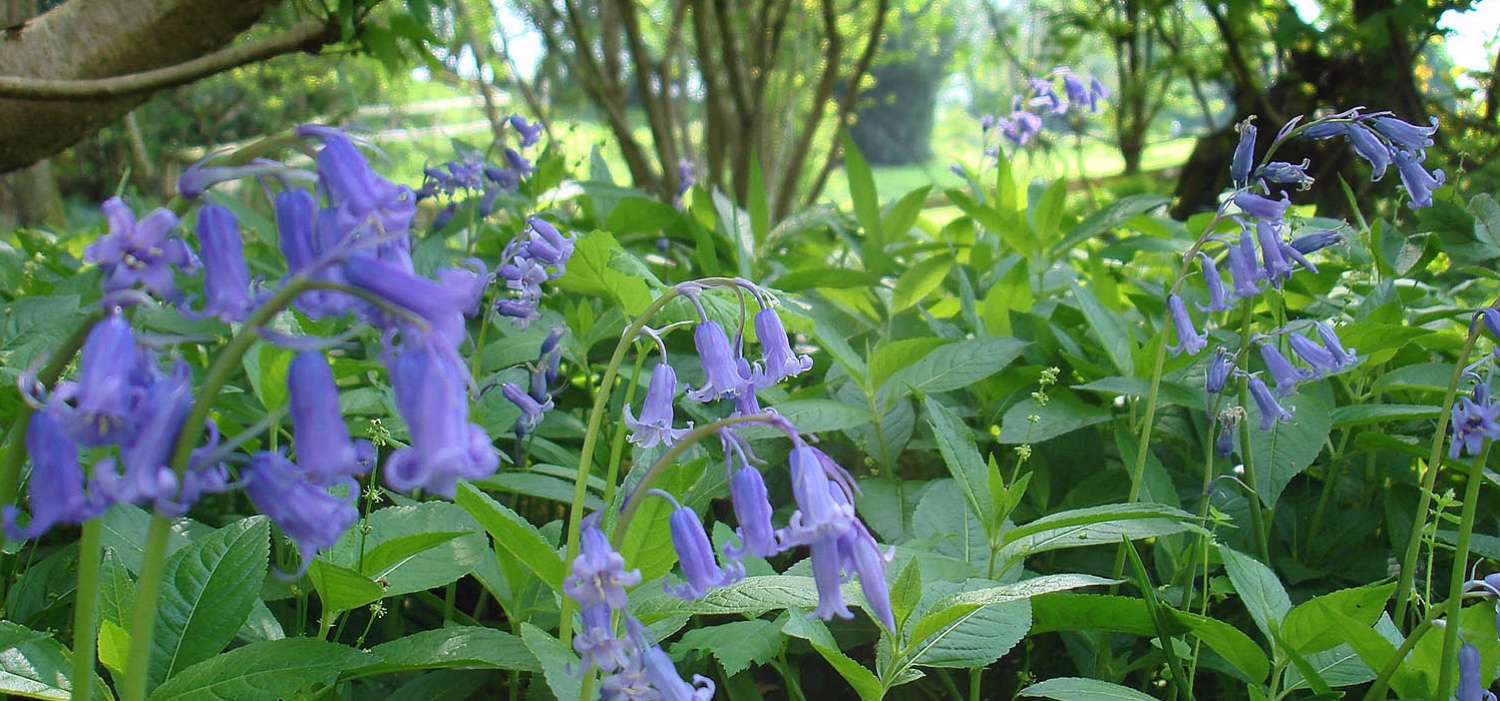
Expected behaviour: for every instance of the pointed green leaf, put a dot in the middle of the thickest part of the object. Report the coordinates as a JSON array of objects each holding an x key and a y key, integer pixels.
[
  {"x": 270, "y": 670},
  {"x": 1110, "y": 328},
  {"x": 1083, "y": 689},
  {"x": 862, "y": 193},
  {"x": 957, "y": 365},
  {"x": 454, "y": 647},
  {"x": 208, "y": 588},
  {"x": 919, "y": 281},
  {"x": 35, "y": 666},
  {"x": 737, "y": 644},
  {"x": 815, "y": 632},
  {"x": 556, "y": 658},
  {"x": 1289, "y": 447},
  {"x": 969, "y": 470},
  {"x": 514, "y": 535},
  {"x": 1262, "y": 593},
  {"x": 340, "y": 588}
]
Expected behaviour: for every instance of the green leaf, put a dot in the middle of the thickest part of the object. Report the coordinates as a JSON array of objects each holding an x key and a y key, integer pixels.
[
  {"x": 1289, "y": 447},
  {"x": 1082, "y": 689},
  {"x": 1095, "y": 525},
  {"x": 1064, "y": 413},
  {"x": 590, "y": 273},
  {"x": 957, "y": 365},
  {"x": 639, "y": 214},
  {"x": 455, "y": 647},
  {"x": 970, "y": 471},
  {"x": 556, "y": 658},
  {"x": 267, "y": 366},
  {"x": 919, "y": 281},
  {"x": 34, "y": 666},
  {"x": 1264, "y": 597},
  {"x": 815, "y": 632},
  {"x": 817, "y": 416},
  {"x": 891, "y": 357},
  {"x": 1360, "y": 414},
  {"x": 643, "y": 547},
  {"x": 46, "y": 590},
  {"x": 948, "y": 609},
  {"x": 208, "y": 588},
  {"x": 514, "y": 535},
  {"x": 1048, "y": 211},
  {"x": 1167, "y": 394},
  {"x": 972, "y": 638},
  {"x": 1096, "y": 612},
  {"x": 270, "y": 670},
  {"x": 1110, "y": 328},
  {"x": 1110, "y": 217},
  {"x": 862, "y": 194},
  {"x": 1313, "y": 626},
  {"x": 906, "y": 591},
  {"x": 432, "y": 567},
  {"x": 381, "y": 559},
  {"x": 942, "y": 518},
  {"x": 340, "y": 588},
  {"x": 737, "y": 644},
  {"x": 735, "y": 224},
  {"x": 903, "y": 214}
]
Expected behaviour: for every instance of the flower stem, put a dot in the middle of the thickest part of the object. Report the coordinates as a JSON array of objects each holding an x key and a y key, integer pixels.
[
  {"x": 148, "y": 588},
  {"x": 1429, "y": 481},
  {"x": 591, "y": 437},
  {"x": 1455, "y": 602},
  {"x": 86, "y": 611}
]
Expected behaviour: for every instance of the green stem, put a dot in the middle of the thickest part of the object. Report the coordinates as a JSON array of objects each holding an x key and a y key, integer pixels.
[
  {"x": 1257, "y": 516},
  {"x": 1454, "y": 604},
  {"x": 669, "y": 458},
  {"x": 617, "y": 450},
  {"x": 1383, "y": 679},
  {"x": 86, "y": 613},
  {"x": 148, "y": 588},
  {"x": 1429, "y": 481},
  {"x": 591, "y": 437},
  {"x": 976, "y": 675}
]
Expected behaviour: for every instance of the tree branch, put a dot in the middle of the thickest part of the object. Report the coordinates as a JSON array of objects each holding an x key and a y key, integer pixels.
[{"x": 310, "y": 35}]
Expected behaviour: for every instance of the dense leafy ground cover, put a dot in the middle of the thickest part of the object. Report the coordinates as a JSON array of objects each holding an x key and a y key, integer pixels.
[{"x": 539, "y": 435}]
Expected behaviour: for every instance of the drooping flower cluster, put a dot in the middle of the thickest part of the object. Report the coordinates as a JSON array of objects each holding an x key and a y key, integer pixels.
[
  {"x": 471, "y": 173},
  {"x": 535, "y": 399},
  {"x": 824, "y": 520},
  {"x": 1041, "y": 98},
  {"x": 121, "y": 399},
  {"x": 1382, "y": 140},
  {"x": 538, "y": 254},
  {"x": 634, "y": 665},
  {"x": 1263, "y": 256}
]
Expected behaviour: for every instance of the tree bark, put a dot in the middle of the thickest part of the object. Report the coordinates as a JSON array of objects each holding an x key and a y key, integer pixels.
[{"x": 86, "y": 39}]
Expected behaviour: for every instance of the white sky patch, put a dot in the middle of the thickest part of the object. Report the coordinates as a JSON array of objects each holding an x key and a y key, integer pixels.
[{"x": 1472, "y": 34}]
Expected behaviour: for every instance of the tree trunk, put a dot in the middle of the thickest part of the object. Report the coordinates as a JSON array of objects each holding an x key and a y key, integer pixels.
[{"x": 99, "y": 39}]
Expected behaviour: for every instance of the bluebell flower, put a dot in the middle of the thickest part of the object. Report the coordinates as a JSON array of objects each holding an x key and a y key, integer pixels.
[
  {"x": 325, "y": 450},
  {"x": 1224, "y": 444},
  {"x": 1262, "y": 208},
  {"x": 296, "y": 211},
  {"x": 1244, "y": 267},
  {"x": 1317, "y": 240},
  {"x": 1045, "y": 96},
  {"x": 819, "y": 522},
  {"x": 226, "y": 277},
  {"x": 1272, "y": 253},
  {"x": 725, "y": 375},
  {"x": 56, "y": 488},
  {"x": 1271, "y": 410},
  {"x": 1315, "y": 355},
  {"x": 530, "y": 133},
  {"x": 200, "y": 176},
  {"x": 548, "y": 246},
  {"x": 1418, "y": 182},
  {"x": 778, "y": 360},
  {"x": 630, "y": 683},
  {"x": 145, "y": 457},
  {"x": 364, "y": 201},
  {"x": 1473, "y": 421},
  {"x": 1470, "y": 677},
  {"x": 1369, "y": 147},
  {"x": 752, "y": 505},
  {"x": 695, "y": 554},
  {"x": 1341, "y": 358},
  {"x": 1188, "y": 338},
  {"x": 537, "y": 254},
  {"x": 655, "y": 425},
  {"x": 1325, "y": 130},
  {"x": 431, "y": 388},
  {"x": 305, "y": 512},
  {"x": 1405, "y": 134},
  {"x": 596, "y": 643},
  {"x": 1282, "y": 371},
  {"x": 1218, "y": 371},
  {"x": 141, "y": 252},
  {"x": 1218, "y": 298},
  {"x": 862, "y": 556},
  {"x": 1285, "y": 173},
  {"x": 1020, "y": 126},
  {"x": 599, "y": 577},
  {"x": 441, "y": 304},
  {"x": 686, "y": 178},
  {"x": 1080, "y": 95},
  {"x": 1244, "y": 153},
  {"x": 532, "y": 410},
  {"x": 112, "y": 377},
  {"x": 668, "y": 684}
]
